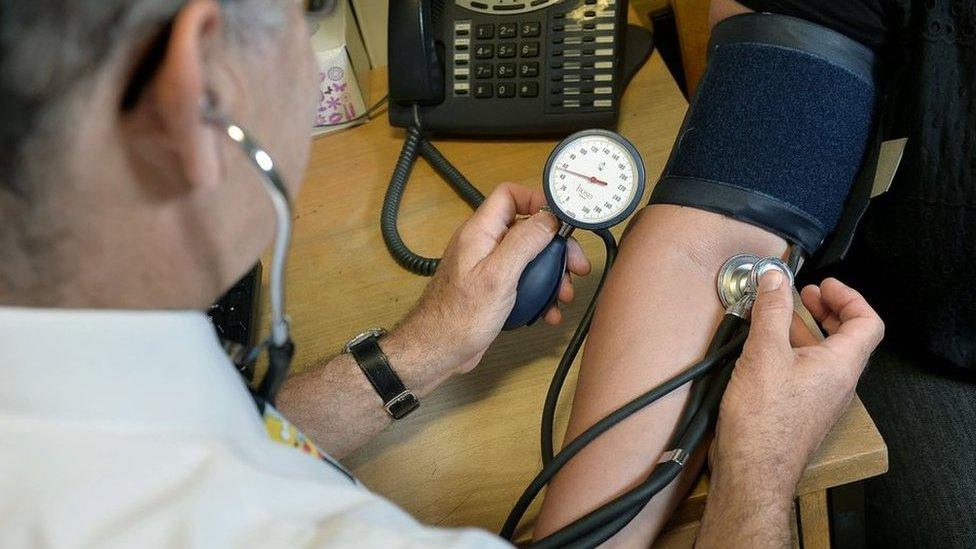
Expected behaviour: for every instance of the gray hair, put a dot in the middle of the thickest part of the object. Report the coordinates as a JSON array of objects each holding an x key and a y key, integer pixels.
[{"x": 50, "y": 51}]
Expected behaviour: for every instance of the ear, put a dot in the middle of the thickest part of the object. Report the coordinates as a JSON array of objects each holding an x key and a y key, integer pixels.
[{"x": 181, "y": 86}]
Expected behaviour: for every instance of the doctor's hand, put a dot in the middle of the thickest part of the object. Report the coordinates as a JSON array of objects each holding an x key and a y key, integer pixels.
[
  {"x": 473, "y": 291},
  {"x": 786, "y": 392}
]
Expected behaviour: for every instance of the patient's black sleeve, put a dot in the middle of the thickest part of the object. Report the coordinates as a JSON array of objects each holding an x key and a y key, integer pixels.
[{"x": 867, "y": 21}]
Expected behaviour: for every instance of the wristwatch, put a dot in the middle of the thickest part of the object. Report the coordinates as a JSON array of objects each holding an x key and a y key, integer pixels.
[{"x": 398, "y": 401}]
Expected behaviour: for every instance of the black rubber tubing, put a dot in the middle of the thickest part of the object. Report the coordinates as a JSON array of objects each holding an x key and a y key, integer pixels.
[
  {"x": 608, "y": 519},
  {"x": 695, "y": 371},
  {"x": 569, "y": 356}
]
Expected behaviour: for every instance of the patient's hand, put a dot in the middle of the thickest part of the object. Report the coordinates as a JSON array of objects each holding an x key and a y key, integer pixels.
[
  {"x": 473, "y": 292},
  {"x": 784, "y": 396}
]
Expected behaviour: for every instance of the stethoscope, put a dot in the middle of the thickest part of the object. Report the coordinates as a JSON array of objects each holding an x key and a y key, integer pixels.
[{"x": 279, "y": 345}]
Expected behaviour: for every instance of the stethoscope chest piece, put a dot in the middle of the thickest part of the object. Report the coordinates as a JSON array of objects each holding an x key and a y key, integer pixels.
[
  {"x": 738, "y": 279},
  {"x": 734, "y": 278}
]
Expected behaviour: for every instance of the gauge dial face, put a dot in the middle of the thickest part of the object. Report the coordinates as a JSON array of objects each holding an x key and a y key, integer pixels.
[{"x": 594, "y": 179}]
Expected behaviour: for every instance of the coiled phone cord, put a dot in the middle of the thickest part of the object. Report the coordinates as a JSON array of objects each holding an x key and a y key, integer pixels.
[{"x": 415, "y": 144}]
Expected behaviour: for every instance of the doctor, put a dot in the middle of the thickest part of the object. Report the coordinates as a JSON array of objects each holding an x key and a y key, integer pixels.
[{"x": 124, "y": 213}]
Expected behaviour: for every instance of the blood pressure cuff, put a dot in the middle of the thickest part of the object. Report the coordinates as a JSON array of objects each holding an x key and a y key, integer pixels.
[{"x": 778, "y": 127}]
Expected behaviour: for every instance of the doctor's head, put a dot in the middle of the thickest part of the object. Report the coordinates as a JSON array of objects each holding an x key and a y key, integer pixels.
[{"x": 115, "y": 191}]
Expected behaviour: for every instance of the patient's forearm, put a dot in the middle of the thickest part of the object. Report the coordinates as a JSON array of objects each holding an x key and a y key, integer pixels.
[{"x": 655, "y": 318}]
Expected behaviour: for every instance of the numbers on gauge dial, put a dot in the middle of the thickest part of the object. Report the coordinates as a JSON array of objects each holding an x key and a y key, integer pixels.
[{"x": 593, "y": 179}]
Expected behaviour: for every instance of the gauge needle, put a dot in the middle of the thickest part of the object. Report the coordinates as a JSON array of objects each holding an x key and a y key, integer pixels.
[{"x": 586, "y": 177}]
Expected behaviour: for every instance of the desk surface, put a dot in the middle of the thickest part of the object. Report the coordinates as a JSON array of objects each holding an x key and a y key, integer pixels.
[{"x": 466, "y": 454}]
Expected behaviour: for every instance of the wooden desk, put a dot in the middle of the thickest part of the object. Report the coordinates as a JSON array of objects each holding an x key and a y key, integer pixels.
[{"x": 466, "y": 454}]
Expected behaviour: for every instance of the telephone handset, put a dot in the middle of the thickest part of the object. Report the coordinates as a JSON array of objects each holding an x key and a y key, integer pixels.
[{"x": 506, "y": 67}]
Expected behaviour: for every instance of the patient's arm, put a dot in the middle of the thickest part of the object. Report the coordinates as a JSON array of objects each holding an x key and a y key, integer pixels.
[
  {"x": 655, "y": 317},
  {"x": 657, "y": 312}
]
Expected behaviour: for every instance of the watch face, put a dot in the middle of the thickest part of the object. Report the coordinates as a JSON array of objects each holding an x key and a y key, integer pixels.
[{"x": 594, "y": 179}]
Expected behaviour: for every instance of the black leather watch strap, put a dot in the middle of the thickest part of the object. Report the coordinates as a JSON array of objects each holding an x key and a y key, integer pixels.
[{"x": 397, "y": 399}]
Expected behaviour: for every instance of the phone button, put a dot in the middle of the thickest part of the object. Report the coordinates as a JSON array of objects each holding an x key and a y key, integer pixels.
[
  {"x": 529, "y": 89},
  {"x": 530, "y": 29},
  {"x": 506, "y": 89},
  {"x": 482, "y": 70},
  {"x": 507, "y": 30},
  {"x": 506, "y": 50},
  {"x": 529, "y": 49},
  {"x": 485, "y": 31},
  {"x": 529, "y": 69},
  {"x": 482, "y": 90},
  {"x": 484, "y": 51},
  {"x": 506, "y": 70}
]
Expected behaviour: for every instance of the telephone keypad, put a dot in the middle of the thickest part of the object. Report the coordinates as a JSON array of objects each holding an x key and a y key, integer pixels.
[{"x": 502, "y": 41}]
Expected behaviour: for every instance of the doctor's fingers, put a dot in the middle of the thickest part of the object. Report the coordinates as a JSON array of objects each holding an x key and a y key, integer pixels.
[
  {"x": 497, "y": 213},
  {"x": 768, "y": 344},
  {"x": 520, "y": 245},
  {"x": 855, "y": 328},
  {"x": 553, "y": 316},
  {"x": 566, "y": 289},
  {"x": 482, "y": 233},
  {"x": 576, "y": 260}
]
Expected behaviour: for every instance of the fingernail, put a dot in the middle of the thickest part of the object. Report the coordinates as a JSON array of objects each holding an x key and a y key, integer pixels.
[
  {"x": 771, "y": 280},
  {"x": 545, "y": 218}
]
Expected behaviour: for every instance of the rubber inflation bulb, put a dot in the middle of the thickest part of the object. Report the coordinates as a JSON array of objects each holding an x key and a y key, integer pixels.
[{"x": 538, "y": 285}]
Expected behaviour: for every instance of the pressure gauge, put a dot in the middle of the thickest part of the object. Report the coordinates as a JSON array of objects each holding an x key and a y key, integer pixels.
[{"x": 594, "y": 179}]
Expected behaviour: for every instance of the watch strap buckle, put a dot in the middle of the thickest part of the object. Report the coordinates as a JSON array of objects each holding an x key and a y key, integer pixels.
[{"x": 401, "y": 405}]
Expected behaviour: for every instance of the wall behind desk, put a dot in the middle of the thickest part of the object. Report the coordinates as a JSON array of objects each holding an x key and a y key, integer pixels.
[{"x": 371, "y": 15}]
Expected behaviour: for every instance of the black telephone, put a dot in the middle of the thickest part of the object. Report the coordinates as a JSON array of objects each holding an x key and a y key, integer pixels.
[{"x": 506, "y": 67}]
